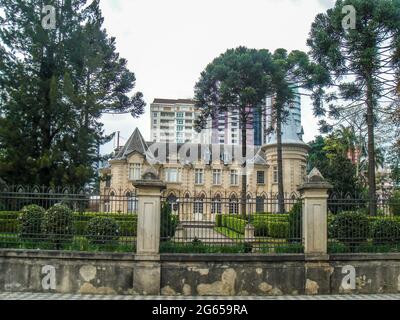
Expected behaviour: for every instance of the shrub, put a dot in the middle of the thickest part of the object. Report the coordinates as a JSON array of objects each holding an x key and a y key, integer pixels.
[
  {"x": 279, "y": 230},
  {"x": 58, "y": 225},
  {"x": 30, "y": 222},
  {"x": 234, "y": 223},
  {"x": 169, "y": 222},
  {"x": 350, "y": 227},
  {"x": 260, "y": 228},
  {"x": 218, "y": 220},
  {"x": 337, "y": 247},
  {"x": 102, "y": 230},
  {"x": 9, "y": 214},
  {"x": 128, "y": 228},
  {"x": 394, "y": 203},
  {"x": 385, "y": 231},
  {"x": 8, "y": 225},
  {"x": 127, "y": 223},
  {"x": 295, "y": 222},
  {"x": 290, "y": 248},
  {"x": 331, "y": 231}
]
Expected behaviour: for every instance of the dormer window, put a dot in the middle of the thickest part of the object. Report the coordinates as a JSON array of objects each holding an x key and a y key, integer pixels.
[
  {"x": 226, "y": 157},
  {"x": 135, "y": 171}
]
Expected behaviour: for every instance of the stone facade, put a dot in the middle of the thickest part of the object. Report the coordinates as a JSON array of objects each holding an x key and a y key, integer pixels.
[{"x": 193, "y": 171}]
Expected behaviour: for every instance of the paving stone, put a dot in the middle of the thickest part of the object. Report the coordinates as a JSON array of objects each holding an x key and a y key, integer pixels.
[{"x": 54, "y": 296}]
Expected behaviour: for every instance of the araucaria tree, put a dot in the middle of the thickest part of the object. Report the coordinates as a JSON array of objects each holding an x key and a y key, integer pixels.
[
  {"x": 363, "y": 62},
  {"x": 55, "y": 84},
  {"x": 291, "y": 74},
  {"x": 236, "y": 81}
]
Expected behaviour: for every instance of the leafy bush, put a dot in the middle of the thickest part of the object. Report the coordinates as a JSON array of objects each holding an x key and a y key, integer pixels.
[
  {"x": 385, "y": 231},
  {"x": 260, "y": 228},
  {"x": 58, "y": 225},
  {"x": 169, "y": 222},
  {"x": 394, "y": 203},
  {"x": 331, "y": 231},
  {"x": 295, "y": 222},
  {"x": 350, "y": 227},
  {"x": 279, "y": 230},
  {"x": 102, "y": 230},
  {"x": 30, "y": 222}
]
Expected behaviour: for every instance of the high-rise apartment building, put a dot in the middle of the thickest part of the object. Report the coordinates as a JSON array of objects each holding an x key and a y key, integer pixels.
[
  {"x": 173, "y": 121},
  {"x": 292, "y": 130}
]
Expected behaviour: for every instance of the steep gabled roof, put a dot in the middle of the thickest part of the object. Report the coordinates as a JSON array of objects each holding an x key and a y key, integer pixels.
[
  {"x": 135, "y": 143},
  {"x": 259, "y": 158}
]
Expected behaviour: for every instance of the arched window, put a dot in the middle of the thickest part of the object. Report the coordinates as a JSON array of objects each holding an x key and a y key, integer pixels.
[
  {"x": 233, "y": 205},
  {"x": 216, "y": 205},
  {"x": 172, "y": 200},
  {"x": 199, "y": 204},
  {"x": 260, "y": 201},
  {"x": 132, "y": 202}
]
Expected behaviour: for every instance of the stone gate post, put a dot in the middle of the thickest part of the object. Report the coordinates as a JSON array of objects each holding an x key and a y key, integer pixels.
[
  {"x": 315, "y": 233},
  {"x": 147, "y": 272},
  {"x": 314, "y": 194}
]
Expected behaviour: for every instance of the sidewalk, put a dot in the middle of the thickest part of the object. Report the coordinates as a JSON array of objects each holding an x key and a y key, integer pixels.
[{"x": 51, "y": 296}]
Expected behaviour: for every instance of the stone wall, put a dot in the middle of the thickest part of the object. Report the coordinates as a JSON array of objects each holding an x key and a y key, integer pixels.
[{"x": 242, "y": 275}]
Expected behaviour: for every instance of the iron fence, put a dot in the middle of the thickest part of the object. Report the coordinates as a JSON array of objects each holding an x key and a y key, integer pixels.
[
  {"x": 67, "y": 219},
  {"x": 224, "y": 225},
  {"x": 353, "y": 227}
]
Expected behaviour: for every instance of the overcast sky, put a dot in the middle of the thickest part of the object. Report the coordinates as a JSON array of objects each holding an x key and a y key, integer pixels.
[{"x": 169, "y": 42}]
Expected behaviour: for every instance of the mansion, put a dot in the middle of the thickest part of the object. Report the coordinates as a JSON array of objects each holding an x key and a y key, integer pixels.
[{"x": 202, "y": 173}]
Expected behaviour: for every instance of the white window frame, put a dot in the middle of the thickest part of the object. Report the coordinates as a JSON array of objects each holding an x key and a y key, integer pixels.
[
  {"x": 199, "y": 176},
  {"x": 217, "y": 177},
  {"x": 234, "y": 177},
  {"x": 169, "y": 174},
  {"x": 135, "y": 170},
  {"x": 275, "y": 174}
]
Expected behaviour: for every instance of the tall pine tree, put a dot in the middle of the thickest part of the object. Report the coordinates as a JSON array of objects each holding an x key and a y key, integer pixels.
[{"x": 55, "y": 85}]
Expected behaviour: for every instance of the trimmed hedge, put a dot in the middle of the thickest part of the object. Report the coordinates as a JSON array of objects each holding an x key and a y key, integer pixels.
[
  {"x": 260, "y": 228},
  {"x": 8, "y": 225},
  {"x": 102, "y": 230},
  {"x": 234, "y": 223},
  {"x": 385, "y": 232},
  {"x": 279, "y": 230},
  {"x": 9, "y": 214},
  {"x": 350, "y": 227},
  {"x": 9, "y": 222},
  {"x": 295, "y": 222}
]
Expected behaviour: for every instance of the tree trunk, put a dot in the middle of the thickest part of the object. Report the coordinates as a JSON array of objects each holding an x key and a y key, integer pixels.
[
  {"x": 371, "y": 152},
  {"x": 244, "y": 165},
  {"x": 281, "y": 197}
]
